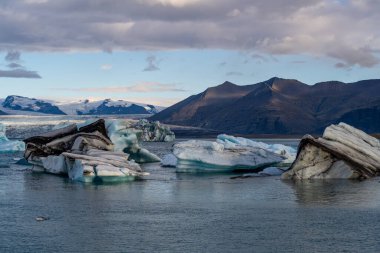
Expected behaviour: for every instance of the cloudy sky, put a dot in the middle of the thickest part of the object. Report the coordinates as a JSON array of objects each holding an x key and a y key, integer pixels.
[{"x": 161, "y": 51}]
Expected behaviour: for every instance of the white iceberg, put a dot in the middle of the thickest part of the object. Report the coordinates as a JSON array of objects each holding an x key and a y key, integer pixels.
[
  {"x": 7, "y": 145},
  {"x": 199, "y": 155},
  {"x": 101, "y": 166},
  {"x": 271, "y": 171},
  {"x": 287, "y": 152}
]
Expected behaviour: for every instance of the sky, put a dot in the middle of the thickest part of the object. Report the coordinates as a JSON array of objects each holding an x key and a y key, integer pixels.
[{"x": 162, "y": 51}]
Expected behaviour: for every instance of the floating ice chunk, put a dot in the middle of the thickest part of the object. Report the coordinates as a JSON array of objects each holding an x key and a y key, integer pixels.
[
  {"x": 198, "y": 155},
  {"x": 7, "y": 145},
  {"x": 271, "y": 171},
  {"x": 287, "y": 152},
  {"x": 169, "y": 160}
]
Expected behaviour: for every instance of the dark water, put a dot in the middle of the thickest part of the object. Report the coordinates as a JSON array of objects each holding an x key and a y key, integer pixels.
[{"x": 171, "y": 212}]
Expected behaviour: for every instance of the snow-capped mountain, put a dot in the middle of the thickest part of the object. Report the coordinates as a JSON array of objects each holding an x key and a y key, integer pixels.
[
  {"x": 107, "y": 106},
  {"x": 24, "y": 104},
  {"x": 18, "y": 105}
]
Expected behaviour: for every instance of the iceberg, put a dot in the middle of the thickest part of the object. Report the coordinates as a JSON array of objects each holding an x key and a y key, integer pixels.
[
  {"x": 126, "y": 134},
  {"x": 271, "y": 171},
  {"x": 343, "y": 152},
  {"x": 154, "y": 131},
  {"x": 84, "y": 154},
  {"x": 6, "y": 145},
  {"x": 125, "y": 139},
  {"x": 287, "y": 152},
  {"x": 200, "y": 155}
]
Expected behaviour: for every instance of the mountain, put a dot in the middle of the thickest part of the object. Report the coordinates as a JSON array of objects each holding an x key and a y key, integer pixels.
[
  {"x": 279, "y": 106},
  {"x": 31, "y": 106},
  {"x": 18, "y": 103},
  {"x": 108, "y": 107}
]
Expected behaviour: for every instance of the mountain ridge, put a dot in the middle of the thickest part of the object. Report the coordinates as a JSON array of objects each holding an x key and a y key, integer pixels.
[
  {"x": 279, "y": 106},
  {"x": 20, "y": 105}
]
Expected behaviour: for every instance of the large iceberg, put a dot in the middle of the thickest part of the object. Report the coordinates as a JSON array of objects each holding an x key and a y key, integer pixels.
[
  {"x": 343, "y": 152},
  {"x": 7, "y": 145},
  {"x": 226, "y": 154},
  {"x": 85, "y": 154},
  {"x": 287, "y": 152},
  {"x": 200, "y": 155},
  {"x": 126, "y": 134}
]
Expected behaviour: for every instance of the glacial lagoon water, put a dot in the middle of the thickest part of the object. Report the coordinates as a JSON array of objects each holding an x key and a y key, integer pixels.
[
  {"x": 177, "y": 212},
  {"x": 172, "y": 212}
]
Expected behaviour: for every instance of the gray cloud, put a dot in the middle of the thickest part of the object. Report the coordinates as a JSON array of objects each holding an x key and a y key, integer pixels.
[
  {"x": 343, "y": 30},
  {"x": 12, "y": 56},
  {"x": 14, "y": 65},
  {"x": 152, "y": 63},
  {"x": 19, "y": 73},
  {"x": 16, "y": 70}
]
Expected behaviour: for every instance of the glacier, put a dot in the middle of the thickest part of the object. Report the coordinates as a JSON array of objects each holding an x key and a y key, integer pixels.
[{"x": 7, "y": 145}]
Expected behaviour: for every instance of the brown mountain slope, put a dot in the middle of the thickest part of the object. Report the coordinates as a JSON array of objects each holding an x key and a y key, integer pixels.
[{"x": 279, "y": 106}]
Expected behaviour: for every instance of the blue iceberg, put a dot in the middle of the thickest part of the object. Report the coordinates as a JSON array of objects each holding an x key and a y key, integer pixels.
[{"x": 6, "y": 145}]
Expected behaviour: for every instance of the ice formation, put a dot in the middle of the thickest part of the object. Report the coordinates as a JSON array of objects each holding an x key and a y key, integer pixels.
[
  {"x": 287, "y": 152},
  {"x": 126, "y": 135},
  {"x": 343, "y": 152},
  {"x": 271, "y": 171},
  {"x": 199, "y": 155},
  {"x": 154, "y": 131},
  {"x": 125, "y": 139},
  {"x": 7, "y": 145},
  {"x": 85, "y": 154}
]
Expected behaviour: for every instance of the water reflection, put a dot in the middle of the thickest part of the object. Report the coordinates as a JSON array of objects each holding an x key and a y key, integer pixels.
[{"x": 336, "y": 192}]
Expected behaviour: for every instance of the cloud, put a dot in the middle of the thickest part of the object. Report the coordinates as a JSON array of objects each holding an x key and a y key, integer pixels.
[
  {"x": 16, "y": 70},
  {"x": 14, "y": 65},
  {"x": 344, "y": 30},
  {"x": 12, "y": 56},
  {"x": 143, "y": 87},
  {"x": 19, "y": 73},
  {"x": 234, "y": 73},
  {"x": 106, "y": 67},
  {"x": 152, "y": 64}
]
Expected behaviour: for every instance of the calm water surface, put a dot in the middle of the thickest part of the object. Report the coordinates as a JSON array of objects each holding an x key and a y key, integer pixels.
[{"x": 171, "y": 212}]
